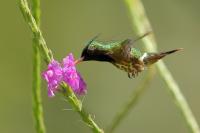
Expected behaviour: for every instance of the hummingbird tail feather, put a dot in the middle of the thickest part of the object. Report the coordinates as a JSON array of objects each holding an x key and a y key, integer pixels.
[
  {"x": 154, "y": 57},
  {"x": 170, "y": 52}
]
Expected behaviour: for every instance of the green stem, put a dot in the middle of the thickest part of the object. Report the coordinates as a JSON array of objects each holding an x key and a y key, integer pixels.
[
  {"x": 136, "y": 95},
  {"x": 36, "y": 85},
  {"x": 48, "y": 56},
  {"x": 36, "y": 11},
  {"x": 141, "y": 25},
  {"x": 36, "y": 88}
]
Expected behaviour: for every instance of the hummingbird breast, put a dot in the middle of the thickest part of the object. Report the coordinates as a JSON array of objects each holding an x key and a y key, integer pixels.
[{"x": 133, "y": 67}]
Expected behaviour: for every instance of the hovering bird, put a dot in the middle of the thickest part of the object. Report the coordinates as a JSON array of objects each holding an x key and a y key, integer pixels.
[{"x": 121, "y": 54}]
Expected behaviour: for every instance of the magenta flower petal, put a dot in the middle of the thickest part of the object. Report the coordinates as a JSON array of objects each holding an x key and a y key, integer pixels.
[
  {"x": 68, "y": 61},
  {"x": 72, "y": 77},
  {"x": 53, "y": 76},
  {"x": 50, "y": 93},
  {"x": 82, "y": 86}
]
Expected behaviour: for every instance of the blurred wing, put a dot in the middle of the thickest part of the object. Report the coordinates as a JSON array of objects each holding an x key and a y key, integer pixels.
[{"x": 122, "y": 50}]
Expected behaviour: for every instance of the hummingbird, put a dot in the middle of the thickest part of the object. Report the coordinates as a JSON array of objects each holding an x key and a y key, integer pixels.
[{"x": 121, "y": 54}]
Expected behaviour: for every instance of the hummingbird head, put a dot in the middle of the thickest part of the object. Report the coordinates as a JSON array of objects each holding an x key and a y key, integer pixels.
[{"x": 91, "y": 52}]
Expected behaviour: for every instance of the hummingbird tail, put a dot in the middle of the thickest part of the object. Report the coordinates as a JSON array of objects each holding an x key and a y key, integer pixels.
[
  {"x": 170, "y": 52},
  {"x": 154, "y": 57}
]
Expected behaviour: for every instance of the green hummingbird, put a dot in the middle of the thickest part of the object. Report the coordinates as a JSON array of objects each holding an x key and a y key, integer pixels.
[{"x": 121, "y": 54}]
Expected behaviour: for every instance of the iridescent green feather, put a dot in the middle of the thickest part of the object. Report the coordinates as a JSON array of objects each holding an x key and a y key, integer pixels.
[
  {"x": 105, "y": 46},
  {"x": 136, "y": 53}
]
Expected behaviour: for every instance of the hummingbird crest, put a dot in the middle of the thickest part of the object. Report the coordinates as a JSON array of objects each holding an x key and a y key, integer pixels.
[{"x": 121, "y": 54}]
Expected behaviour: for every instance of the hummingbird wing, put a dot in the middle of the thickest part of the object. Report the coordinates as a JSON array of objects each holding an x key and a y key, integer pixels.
[
  {"x": 121, "y": 50},
  {"x": 127, "y": 58}
]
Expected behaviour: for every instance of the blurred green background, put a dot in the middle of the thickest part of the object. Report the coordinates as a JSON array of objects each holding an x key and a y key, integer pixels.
[{"x": 67, "y": 25}]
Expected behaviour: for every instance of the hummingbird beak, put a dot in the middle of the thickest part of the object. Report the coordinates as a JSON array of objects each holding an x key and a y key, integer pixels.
[{"x": 79, "y": 60}]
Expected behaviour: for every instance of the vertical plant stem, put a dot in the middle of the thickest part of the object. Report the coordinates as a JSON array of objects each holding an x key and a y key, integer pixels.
[
  {"x": 36, "y": 11},
  {"x": 48, "y": 57},
  {"x": 36, "y": 85},
  {"x": 132, "y": 102},
  {"x": 141, "y": 25}
]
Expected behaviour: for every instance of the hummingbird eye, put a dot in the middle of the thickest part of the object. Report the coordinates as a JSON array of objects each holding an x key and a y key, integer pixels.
[{"x": 92, "y": 47}]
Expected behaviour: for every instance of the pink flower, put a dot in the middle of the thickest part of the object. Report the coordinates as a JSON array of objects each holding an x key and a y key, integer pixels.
[
  {"x": 55, "y": 74},
  {"x": 72, "y": 77}
]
